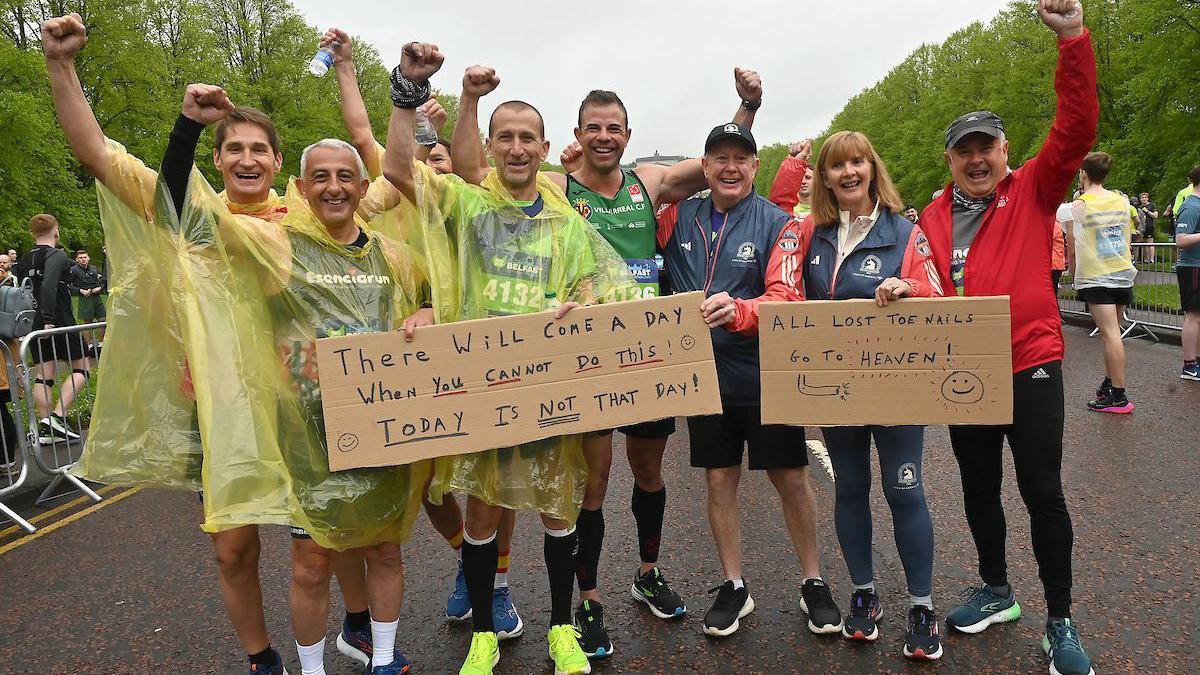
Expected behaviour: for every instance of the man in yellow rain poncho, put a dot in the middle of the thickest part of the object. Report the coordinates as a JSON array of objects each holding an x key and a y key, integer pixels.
[
  {"x": 520, "y": 248},
  {"x": 196, "y": 344}
]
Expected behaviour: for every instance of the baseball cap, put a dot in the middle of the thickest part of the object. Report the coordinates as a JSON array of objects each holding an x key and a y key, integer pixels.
[
  {"x": 731, "y": 130},
  {"x": 978, "y": 122}
]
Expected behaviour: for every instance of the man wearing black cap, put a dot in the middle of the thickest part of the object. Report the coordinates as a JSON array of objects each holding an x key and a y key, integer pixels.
[
  {"x": 991, "y": 235},
  {"x": 740, "y": 250}
]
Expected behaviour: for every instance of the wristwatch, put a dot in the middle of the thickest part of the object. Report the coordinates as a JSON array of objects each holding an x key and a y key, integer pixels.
[{"x": 751, "y": 105}]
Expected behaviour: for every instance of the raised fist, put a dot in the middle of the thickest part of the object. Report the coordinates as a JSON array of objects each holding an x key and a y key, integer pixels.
[
  {"x": 63, "y": 37},
  {"x": 571, "y": 158},
  {"x": 435, "y": 112},
  {"x": 480, "y": 81},
  {"x": 338, "y": 42},
  {"x": 420, "y": 60},
  {"x": 1064, "y": 17},
  {"x": 801, "y": 150},
  {"x": 206, "y": 103},
  {"x": 749, "y": 84}
]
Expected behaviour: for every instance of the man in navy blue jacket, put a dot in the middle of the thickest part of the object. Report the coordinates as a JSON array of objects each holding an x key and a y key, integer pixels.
[{"x": 740, "y": 249}]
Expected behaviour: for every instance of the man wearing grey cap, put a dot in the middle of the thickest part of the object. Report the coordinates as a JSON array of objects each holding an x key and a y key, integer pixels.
[
  {"x": 990, "y": 233},
  {"x": 740, "y": 249}
]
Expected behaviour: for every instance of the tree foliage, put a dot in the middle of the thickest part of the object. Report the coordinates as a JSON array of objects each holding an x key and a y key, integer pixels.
[{"x": 139, "y": 59}]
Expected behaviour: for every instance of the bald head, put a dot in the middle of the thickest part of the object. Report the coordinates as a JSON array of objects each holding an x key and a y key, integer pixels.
[{"x": 517, "y": 107}]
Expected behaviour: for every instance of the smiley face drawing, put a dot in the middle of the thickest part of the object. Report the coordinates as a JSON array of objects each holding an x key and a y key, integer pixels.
[
  {"x": 962, "y": 387},
  {"x": 687, "y": 342},
  {"x": 347, "y": 442}
]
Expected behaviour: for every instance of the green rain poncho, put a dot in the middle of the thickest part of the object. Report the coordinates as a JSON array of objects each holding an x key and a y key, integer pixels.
[
  {"x": 504, "y": 263},
  {"x": 226, "y": 306}
]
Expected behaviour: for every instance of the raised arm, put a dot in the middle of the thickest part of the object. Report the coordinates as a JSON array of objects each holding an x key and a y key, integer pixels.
[
  {"x": 62, "y": 38},
  {"x": 785, "y": 189},
  {"x": 354, "y": 109},
  {"x": 467, "y": 154},
  {"x": 410, "y": 89},
  {"x": 203, "y": 104},
  {"x": 671, "y": 184}
]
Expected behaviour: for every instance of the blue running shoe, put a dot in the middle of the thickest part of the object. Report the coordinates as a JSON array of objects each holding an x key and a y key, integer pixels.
[
  {"x": 458, "y": 605},
  {"x": 982, "y": 609},
  {"x": 355, "y": 643},
  {"x": 505, "y": 619},
  {"x": 397, "y": 667},
  {"x": 1192, "y": 373},
  {"x": 260, "y": 669},
  {"x": 1061, "y": 644}
]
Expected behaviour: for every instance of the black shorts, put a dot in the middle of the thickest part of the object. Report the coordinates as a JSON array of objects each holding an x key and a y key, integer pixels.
[
  {"x": 1189, "y": 288},
  {"x": 655, "y": 429},
  {"x": 718, "y": 441},
  {"x": 91, "y": 309},
  {"x": 1100, "y": 295},
  {"x": 61, "y": 347}
]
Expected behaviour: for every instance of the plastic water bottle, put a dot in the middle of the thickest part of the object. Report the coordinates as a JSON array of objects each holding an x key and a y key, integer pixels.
[
  {"x": 425, "y": 133},
  {"x": 551, "y": 302},
  {"x": 322, "y": 61}
]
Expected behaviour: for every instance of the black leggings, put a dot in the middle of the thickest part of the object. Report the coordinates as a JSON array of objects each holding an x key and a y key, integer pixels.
[
  {"x": 1036, "y": 440},
  {"x": 8, "y": 445}
]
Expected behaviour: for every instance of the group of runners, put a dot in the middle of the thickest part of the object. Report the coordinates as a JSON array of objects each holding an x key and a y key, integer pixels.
[{"x": 395, "y": 237}]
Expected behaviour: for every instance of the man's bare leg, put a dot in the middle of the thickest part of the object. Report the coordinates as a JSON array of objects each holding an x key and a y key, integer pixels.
[
  {"x": 724, "y": 518},
  {"x": 800, "y": 514}
]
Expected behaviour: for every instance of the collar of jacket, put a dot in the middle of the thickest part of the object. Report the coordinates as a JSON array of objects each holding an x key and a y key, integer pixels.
[{"x": 883, "y": 233}]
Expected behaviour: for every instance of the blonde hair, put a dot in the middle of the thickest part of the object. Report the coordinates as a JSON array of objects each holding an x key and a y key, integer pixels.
[
  {"x": 840, "y": 147},
  {"x": 42, "y": 224}
]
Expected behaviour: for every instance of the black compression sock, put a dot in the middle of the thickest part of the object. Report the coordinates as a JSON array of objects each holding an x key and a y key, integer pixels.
[
  {"x": 590, "y": 530},
  {"x": 560, "y": 566},
  {"x": 358, "y": 620},
  {"x": 479, "y": 569},
  {"x": 648, "y": 511}
]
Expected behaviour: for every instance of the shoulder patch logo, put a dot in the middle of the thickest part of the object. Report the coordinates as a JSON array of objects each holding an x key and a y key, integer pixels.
[
  {"x": 922, "y": 244},
  {"x": 789, "y": 241},
  {"x": 635, "y": 193},
  {"x": 1002, "y": 202}
]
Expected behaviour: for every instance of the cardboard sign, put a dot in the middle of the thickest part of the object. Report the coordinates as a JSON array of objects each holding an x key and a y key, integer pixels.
[
  {"x": 916, "y": 361},
  {"x": 494, "y": 383}
]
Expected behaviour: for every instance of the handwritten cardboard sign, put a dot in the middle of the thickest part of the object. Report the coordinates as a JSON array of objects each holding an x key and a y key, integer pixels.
[
  {"x": 494, "y": 383},
  {"x": 916, "y": 361}
]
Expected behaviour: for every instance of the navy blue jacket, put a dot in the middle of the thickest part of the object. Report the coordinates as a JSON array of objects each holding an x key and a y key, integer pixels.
[
  {"x": 756, "y": 258},
  {"x": 895, "y": 247}
]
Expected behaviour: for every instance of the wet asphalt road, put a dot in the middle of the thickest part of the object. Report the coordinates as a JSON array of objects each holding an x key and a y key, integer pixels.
[{"x": 131, "y": 587}]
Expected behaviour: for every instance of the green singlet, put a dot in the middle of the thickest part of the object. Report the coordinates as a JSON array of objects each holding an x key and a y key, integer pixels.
[{"x": 627, "y": 222}]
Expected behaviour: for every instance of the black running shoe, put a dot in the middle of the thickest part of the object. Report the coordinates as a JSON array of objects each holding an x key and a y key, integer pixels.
[
  {"x": 816, "y": 601},
  {"x": 731, "y": 605},
  {"x": 923, "y": 640},
  {"x": 863, "y": 619},
  {"x": 593, "y": 636},
  {"x": 1104, "y": 388},
  {"x": 652, "y": 589}
]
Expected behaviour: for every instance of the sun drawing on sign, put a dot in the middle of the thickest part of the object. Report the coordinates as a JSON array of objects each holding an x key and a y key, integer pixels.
[{"x": 962, "y": 391}]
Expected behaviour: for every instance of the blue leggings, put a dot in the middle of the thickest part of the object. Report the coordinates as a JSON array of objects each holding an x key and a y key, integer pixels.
[{"x": 899, "y": 451}]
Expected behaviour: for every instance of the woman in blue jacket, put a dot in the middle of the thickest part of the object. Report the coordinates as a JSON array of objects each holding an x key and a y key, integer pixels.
[{"x": 861, "y": 247}]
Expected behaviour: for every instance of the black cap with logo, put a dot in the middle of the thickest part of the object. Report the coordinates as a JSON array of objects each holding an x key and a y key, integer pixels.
[
  {"x": 978, "y": 122},
  {"x": 731, "y": 130}
]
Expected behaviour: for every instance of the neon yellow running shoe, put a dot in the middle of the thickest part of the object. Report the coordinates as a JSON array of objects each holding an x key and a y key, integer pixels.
[
  {"x": 569, "y": 658},
  {"x": 484, "y": 655}
]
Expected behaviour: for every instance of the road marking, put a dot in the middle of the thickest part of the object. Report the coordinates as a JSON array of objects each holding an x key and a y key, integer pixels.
[
  {"x": 56, "y": 510},
  {"x": 818, "y": 450},
  {"x": 68, "y": 520}
]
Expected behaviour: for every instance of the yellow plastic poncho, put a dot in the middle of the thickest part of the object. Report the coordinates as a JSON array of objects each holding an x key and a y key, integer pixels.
[
  {"x": 505, "y": 263},
  {"x": 239, "y": 303}
]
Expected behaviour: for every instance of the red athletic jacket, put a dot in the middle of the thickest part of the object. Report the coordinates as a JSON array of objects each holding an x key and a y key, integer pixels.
[
  {"x": 1011, "y": 253},
  {"x": 785, "y": 189}
]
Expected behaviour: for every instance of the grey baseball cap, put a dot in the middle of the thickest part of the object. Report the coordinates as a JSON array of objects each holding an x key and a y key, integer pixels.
[{"x": 978, "y": 122}]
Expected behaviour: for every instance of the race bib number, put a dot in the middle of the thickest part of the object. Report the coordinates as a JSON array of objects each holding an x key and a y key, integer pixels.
[
  {"x": 645, "y": 273},
  {"x": 512, "y": 283},
  {"x": 1110, "y": 242}
]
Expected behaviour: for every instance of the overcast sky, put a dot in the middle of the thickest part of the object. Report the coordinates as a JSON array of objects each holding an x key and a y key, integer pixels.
[{"x": 671, "y": 61}]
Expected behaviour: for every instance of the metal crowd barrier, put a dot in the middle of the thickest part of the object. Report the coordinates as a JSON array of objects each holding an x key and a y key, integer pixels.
[
  {"x": 51, "y": 450},
  {"x": 14, "y": 456},
  {"x": 1156, "y": 304}
]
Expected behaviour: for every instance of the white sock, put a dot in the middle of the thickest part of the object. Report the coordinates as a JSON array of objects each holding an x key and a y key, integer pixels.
[
  {"x": 915, "y": 600},
  {"x": 738, "y": 584},
  {"x": 478, "y": 542},
  {"x": 383, "y": 641},
  {"x": 501, "y": 580},
  {"x": 559, "y": 533},
  {"x": 312, "y": 658},
  {"x": 865, "y": 587}
]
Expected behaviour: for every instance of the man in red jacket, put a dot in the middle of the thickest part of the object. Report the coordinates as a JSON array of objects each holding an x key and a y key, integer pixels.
[{"x": 990, "y": 232}]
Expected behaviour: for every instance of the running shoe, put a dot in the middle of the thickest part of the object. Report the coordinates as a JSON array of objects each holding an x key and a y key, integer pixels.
[
  {"x": 982, "y": 608},
  {"x": 505, "y": 619},
  {"x": 862, "y": 621},
  {"x": 355, "y": 643},
  {"x": 816, "y": 600},
  {"x": 731, "y": 605},
  {"x": 398, "y": 666},
  {"x": 652, "y": 589},
  {"x": 47, "y": 435},
  {"x": 568, "y": 657},
  {"x": 923, "y": 640},
  {"x": 484, "y": 655},
  {"x": 593, "y": 636},
  {"x": 1061, "y": 644},
  {"x": 458, "y": 605},
  {"x": 1104, "y": 388},
  {"x": 1192, "y": 373},
  {"x": 273, "y": 669},
  {"x": 62, "y": 427},
  {"x": 1109, "y": 403}
]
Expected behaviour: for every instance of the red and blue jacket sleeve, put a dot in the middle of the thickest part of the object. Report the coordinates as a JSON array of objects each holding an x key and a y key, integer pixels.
[
  {"x": 919, "y": 270},
  {"x": 667, "y": 217},
  {"x": 785, "y": 190},
  {"x": 784, "y": 279}
]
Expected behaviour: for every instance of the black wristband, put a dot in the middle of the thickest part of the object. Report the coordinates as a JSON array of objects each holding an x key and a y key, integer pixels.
[
  {"x": 751, "y": 105},
  {"x": 406, "y": 93}
]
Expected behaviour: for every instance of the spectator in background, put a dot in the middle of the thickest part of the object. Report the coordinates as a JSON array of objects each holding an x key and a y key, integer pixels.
[
  {"x": 1148, "y": 214},
  {"x": 1187, "y": 236},
  {"x": 911, "y": 213},
  {"x": 8, "y": 430},
  {"x": 1059, "y": 258},
  {"x": 6, "y": 263},
  {"x": 87, "y": 282},
  {"x": 12, "y": 254},
  {"x": 792, "y": 188}
]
